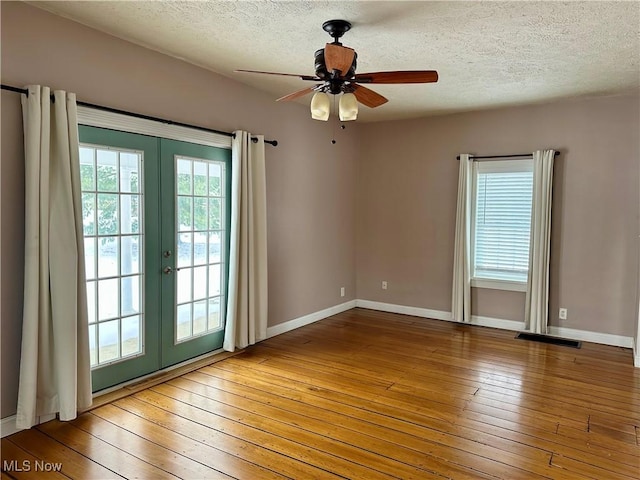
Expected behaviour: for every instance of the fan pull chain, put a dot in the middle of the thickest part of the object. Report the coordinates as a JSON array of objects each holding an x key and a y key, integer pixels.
[
  {"x": 343, "y": 126},
  {"x": 333, "y": 140}
]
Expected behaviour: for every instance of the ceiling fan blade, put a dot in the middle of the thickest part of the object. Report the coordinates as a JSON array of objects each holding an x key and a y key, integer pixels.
[
  {"x": 299, "y": 93},
  {"x": 368, "y": 97},
  {"x": 303, "y": 77},
  {"x": 337, "y": 57},
  {"x": 407, "y": 76}
]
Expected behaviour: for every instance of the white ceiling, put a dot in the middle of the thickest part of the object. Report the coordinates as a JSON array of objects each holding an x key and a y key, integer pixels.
[{"x": 488, "y": 54}]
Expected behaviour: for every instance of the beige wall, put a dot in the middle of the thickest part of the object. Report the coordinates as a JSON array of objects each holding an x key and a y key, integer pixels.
[
  {"x": 407, "y": 183},
  {"x": 311, "y": 201}
]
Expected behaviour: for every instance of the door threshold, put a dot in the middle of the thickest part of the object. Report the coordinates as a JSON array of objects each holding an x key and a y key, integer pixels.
[{"x": 111, "y": 394}]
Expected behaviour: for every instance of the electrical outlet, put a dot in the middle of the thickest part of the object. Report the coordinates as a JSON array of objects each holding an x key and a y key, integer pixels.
[
  {"x": 384, "y": 285},
  {"x": 342, "y": 291},
  {"x": 562, "y": 314}
]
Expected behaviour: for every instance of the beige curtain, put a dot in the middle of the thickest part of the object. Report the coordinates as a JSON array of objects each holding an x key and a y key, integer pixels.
[
  {"x": 246, "y": 321},
  {"x": 461, "y": 293},
  {"x": 55, "y": 375},
  {"x": 537, "y": 299}
]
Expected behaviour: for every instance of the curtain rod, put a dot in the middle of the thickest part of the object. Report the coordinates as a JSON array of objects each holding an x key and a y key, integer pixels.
[
  {"x": 517, "y": 155},
  {"x": 144, "y": 117}
]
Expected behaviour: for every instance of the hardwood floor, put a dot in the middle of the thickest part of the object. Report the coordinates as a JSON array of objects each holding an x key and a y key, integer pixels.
[{"x": 364, "y": 395}]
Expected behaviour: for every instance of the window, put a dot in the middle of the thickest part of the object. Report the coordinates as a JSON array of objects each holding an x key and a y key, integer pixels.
[{"x": 501, "y": 223}]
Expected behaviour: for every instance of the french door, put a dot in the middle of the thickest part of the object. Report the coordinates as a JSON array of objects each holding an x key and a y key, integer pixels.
[{"x": 156, "y": 231}]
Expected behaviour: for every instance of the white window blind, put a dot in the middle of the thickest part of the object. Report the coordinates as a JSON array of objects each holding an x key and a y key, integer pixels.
[{"x": 502, "y": 219}]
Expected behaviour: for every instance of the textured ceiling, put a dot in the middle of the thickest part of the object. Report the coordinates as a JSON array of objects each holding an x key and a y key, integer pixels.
[{"x": 488, "y": 54}]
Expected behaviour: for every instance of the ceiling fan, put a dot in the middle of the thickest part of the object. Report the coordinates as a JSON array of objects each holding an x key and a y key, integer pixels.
[{"x": 335, "y": 67}]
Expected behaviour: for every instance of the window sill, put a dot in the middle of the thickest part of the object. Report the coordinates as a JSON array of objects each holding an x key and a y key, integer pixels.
[{"x": 499, "y": 284}]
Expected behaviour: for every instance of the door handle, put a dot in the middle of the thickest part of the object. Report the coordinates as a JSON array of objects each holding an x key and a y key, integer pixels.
[{"x": 167, "y": 270}]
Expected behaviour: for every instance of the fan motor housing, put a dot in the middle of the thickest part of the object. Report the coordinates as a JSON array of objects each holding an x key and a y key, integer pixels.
[{"x": 321, "y": 68}]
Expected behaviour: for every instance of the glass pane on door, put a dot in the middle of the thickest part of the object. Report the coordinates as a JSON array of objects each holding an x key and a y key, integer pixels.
[
  {"x": 200, "y": 220},
  {"x": 114, "y": 252}
]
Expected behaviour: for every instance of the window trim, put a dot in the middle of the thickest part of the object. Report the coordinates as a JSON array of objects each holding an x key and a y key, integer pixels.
[
  {"x": 496, "y": 284},
  {"x": 494, "y": 166},
  {"x": 94, "y": 117}
]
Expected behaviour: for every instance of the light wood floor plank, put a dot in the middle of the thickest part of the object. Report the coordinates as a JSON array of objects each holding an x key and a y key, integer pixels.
[
  {"x": 19, "y": 464},
  {"x": 166, "y": 457},
  {"x": 315, "y": 434},
  {"x": 197, "y": 442},
  {"x": 120, "y": 461},
  {"x": 435, "y": 428},
  {"x": 269, "y": 434},
  {"x": 368, "y": 435},
  {"x": 74, "y": 464},
  {"x": 600, "y": 439},
  {"x": 348, "y": 418}
]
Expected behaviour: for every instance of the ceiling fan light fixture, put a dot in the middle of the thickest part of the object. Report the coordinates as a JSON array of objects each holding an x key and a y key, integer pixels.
[
  {"x": 348, "y": 107},
  {"x": 335, "y": 73},
  {"x": 320, "y": 106}
]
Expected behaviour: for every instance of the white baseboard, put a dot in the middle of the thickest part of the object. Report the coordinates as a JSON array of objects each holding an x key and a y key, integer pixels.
[
  {"x": 500, "y": 323},
  {"x": 310, "y": 318},
  {"x": 593, "y": 337},
  {"x": 636, "y": 352},
  {"x": 404, "y": 310},
  {"x": 8, "y": 424},
  {"x": 439, "y": 315}
]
